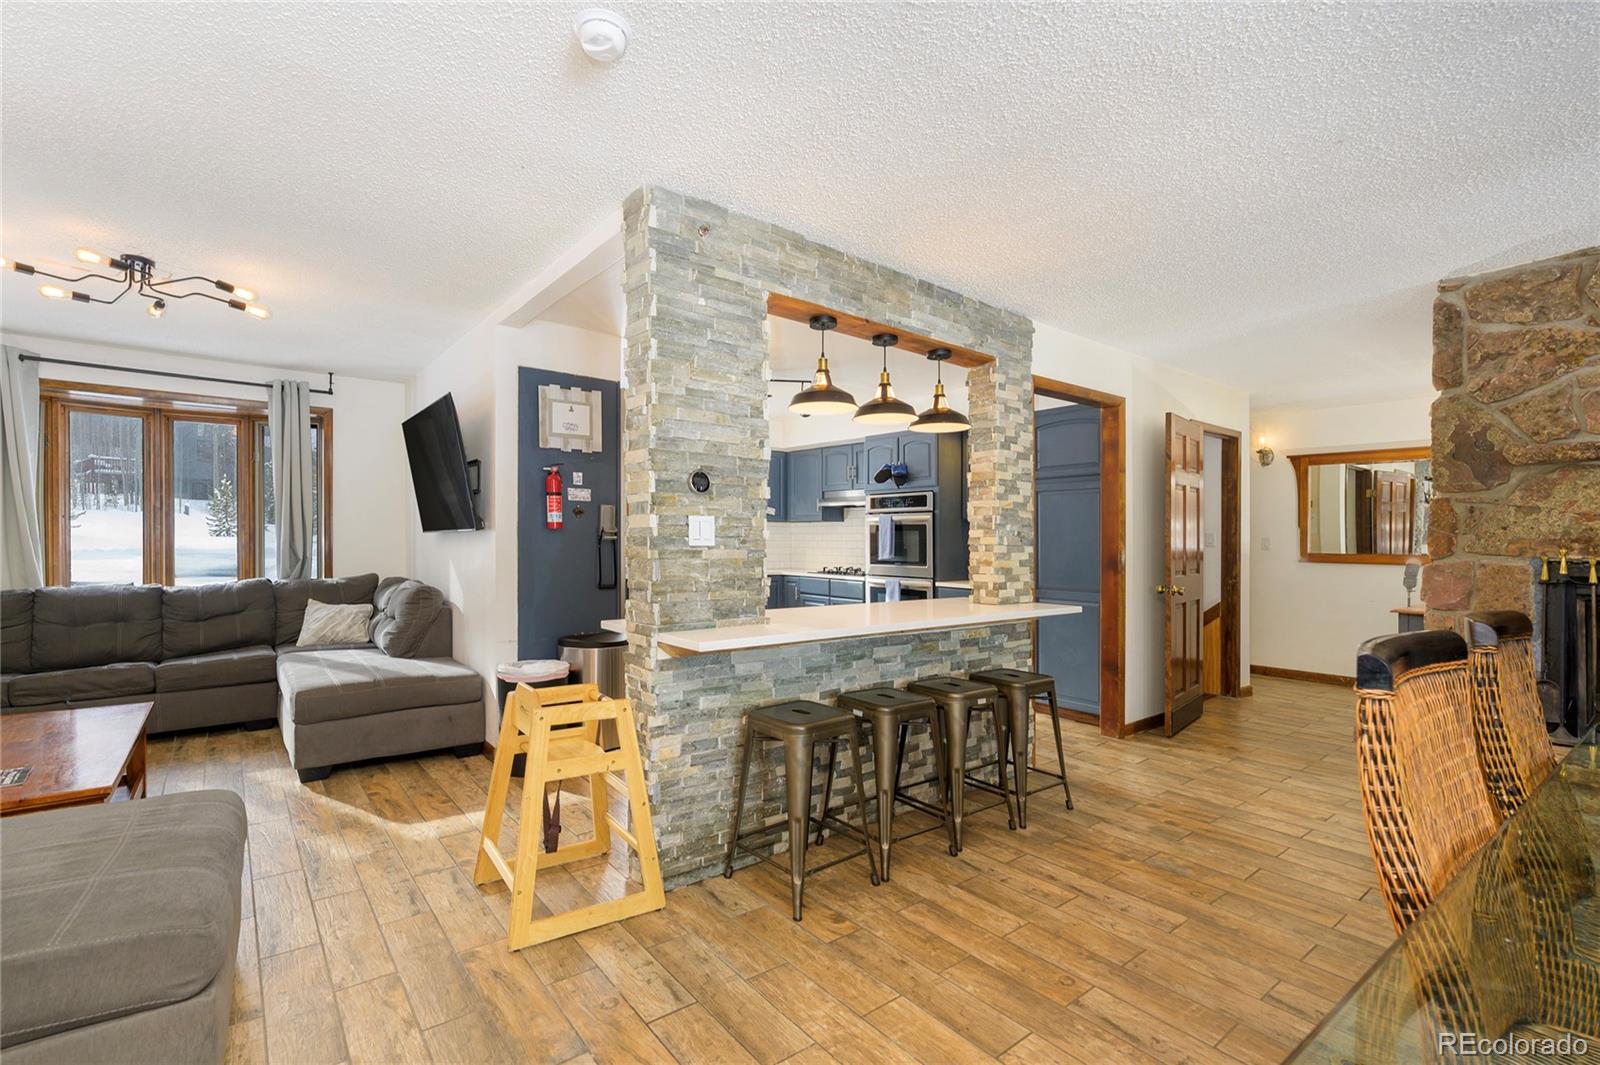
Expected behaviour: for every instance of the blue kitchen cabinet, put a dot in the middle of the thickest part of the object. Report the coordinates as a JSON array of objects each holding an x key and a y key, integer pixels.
[
  {"x": 880, "y": 451},
  {"x": 804, "y": 485},
  {"x": 944, "y": 591},
  {"x": 858, "y": 465},
  {"x": 775, "y": 593},
  {"x": 847, "y": 591},
  {"x": 778, "y": 487},
  {"x": 838, "y": 469},
  {"x": 919, "y": 454}
]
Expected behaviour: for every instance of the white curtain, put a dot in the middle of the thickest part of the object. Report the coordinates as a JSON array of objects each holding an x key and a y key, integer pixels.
[
  {"x": 289, "y": 422},
  {"x": 21, "y": 548}
]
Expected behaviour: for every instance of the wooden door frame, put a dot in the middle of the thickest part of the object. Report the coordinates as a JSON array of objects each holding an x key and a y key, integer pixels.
[
  {"x": 1231, "y": 543},
  {"x": 1113, "y": 552}
]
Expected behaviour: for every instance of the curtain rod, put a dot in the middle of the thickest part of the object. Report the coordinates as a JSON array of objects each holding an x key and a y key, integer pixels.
[{"x": 25, "y": 357}]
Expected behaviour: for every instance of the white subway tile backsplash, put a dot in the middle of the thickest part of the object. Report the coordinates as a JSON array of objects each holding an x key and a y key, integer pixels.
[{"x": 810, "y": 545}]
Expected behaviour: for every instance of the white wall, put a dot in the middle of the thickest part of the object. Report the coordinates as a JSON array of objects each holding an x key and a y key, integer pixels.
[
  {"x": 1150, "y": 391},
  {"x": 478, "y": 570},
  {"x": 373, "y": 512},
  {"x": 1311, "y": 615}
]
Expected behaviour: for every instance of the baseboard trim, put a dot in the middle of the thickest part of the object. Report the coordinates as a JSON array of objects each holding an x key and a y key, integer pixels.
[
  {"x": 1246, "y": 691},
  {"x": 1144, "y": 724},
  {"x": 1304, "y": 674}
]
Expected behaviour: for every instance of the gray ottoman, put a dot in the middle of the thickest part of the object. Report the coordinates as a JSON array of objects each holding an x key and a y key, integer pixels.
[{"x": 118, "y": 926}]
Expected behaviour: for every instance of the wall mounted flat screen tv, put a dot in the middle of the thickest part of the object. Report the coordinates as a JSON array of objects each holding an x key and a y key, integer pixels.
[{"x": 439, "y": 467}]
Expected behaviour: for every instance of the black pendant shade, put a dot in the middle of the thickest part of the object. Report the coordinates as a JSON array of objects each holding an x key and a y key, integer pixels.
[
  {"x": 941, "y": 417},
  {"x": 822, "y": 396},
  {"x": 884, "y": 408}
]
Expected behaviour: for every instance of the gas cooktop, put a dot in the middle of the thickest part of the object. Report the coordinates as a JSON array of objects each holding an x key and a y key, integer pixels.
[{"x": 843, "y": 571}]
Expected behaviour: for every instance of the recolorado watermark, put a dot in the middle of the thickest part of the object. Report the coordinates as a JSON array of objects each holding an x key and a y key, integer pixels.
[{"x": 1566, "y": 1046}]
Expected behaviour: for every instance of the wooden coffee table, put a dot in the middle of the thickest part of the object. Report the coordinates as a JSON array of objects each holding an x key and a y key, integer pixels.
[{"x": 80, "y": 757}]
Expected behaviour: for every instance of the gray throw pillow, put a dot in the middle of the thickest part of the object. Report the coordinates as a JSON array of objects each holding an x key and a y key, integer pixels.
[
  {"x": 405, "y": 610},
  {"x": 334, "y": 623}
]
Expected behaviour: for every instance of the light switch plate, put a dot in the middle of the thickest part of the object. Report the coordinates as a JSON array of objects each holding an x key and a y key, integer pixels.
[
  {"x": 702, "y": 530},
  {"x": 1211, "y": 539},
  {"x": 1266, "y": 543}
]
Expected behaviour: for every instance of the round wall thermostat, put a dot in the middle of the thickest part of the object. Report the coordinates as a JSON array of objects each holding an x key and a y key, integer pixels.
[{"x": 700, "y": 481}]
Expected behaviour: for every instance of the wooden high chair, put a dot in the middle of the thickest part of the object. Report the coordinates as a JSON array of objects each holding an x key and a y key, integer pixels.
[{"x": 531, "y": 726}]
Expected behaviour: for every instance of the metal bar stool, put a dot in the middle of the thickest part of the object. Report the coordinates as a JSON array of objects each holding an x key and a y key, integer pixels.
[
  {"x": 799, "y": 726},
  {"x": 891, "y": 713},
  {"x": 1018, "y": 687},
  {"x": 958, "y": 698}
]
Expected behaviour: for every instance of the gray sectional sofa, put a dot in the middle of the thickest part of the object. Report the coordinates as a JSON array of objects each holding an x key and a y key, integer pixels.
[{"x": 226, "y": 654}]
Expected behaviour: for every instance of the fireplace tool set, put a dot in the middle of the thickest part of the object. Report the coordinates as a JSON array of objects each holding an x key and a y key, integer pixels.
[{"x": 1568, "y": 612}]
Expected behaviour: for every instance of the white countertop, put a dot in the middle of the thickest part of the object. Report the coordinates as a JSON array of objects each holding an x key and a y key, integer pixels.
[{"x": 814, "y": 624}]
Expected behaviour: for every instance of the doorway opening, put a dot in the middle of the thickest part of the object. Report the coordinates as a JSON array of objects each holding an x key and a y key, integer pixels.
[{"x": 1080, "y": 508}]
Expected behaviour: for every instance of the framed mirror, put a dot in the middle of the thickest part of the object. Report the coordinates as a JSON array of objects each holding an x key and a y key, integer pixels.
[{"x": 1364, "y": 506}]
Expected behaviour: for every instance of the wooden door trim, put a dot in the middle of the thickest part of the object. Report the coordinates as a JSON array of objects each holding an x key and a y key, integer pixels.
[
  {"x": 1231, "y": 543},
  {"x": 1113, "y": 550}
]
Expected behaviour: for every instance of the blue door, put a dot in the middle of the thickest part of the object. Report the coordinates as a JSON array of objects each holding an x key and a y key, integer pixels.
[
  {"x": 919, "y": 453},
  {"x": 1067, "y": 479},
  {"x": 805, "y": 485},
  {"x": 837, "y": 473}
]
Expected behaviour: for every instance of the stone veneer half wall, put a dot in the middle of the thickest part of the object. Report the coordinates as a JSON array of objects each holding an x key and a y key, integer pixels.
[
  {"x": 1516, "y": 432},
  {"x": 696, "y": 279}
]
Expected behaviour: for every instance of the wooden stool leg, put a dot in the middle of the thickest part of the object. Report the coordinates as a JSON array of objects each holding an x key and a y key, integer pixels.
[
  {"x": 1061, "y": 753},
  {"x": 1001, "y": 739},
  {"x": 1019, "y": 708},
  {"x": 798, "y": 755},
  {"x": 854, "y": 740},
  {"x": 738, "y": 799},
  {"x": 525, "y": 868},
  {"x": 886, "y": 774},
  {"x": 827, "y": 787},
  {"x": 499, "y": 786}
]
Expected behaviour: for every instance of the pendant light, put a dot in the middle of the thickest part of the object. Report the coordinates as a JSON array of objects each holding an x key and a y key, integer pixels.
[
  {"x": 883, "y": 408},
  {"x": 941, "y": 417},
  {"x": 822, "y": 396}
]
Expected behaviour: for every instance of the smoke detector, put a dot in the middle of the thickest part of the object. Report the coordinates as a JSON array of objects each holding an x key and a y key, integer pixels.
[{"x": 602, "y": 34}]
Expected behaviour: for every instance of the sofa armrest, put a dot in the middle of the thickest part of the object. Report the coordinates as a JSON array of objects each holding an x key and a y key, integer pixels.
[{"x": 439, "y": 642}]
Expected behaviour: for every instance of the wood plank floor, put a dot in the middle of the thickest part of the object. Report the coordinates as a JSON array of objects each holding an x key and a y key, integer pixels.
[{"x": 1209, "y": 900}]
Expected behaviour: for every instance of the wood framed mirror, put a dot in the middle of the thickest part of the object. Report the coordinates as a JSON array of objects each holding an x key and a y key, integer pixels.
[{"x": 1364, "y": 506}]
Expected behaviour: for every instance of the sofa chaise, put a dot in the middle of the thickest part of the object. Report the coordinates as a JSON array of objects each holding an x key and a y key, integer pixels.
[{"x": 227, "y": 654}]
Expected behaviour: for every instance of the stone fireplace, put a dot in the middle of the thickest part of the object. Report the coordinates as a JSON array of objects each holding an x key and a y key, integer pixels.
[{"x": 1516, "y": 433}]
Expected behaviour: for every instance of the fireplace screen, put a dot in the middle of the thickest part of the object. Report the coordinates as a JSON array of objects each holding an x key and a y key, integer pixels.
[{"x": 1568, "y": 612}]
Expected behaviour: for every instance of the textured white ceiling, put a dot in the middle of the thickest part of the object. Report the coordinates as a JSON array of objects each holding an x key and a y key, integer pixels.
[{"x": 1259, "y": 192}]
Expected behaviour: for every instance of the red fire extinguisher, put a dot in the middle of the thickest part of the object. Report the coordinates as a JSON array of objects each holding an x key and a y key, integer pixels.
[{"x": 552, "y": 497}]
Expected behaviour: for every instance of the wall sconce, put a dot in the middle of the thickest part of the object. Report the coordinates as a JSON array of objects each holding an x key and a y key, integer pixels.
[{"x": 1263, "y": 452}]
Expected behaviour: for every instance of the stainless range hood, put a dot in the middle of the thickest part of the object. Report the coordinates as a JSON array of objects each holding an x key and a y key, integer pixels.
[{"x": 854, "y": 497}]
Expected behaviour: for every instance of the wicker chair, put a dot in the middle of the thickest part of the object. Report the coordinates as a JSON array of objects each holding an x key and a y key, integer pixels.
[
  {"x": 1427, "y": 810},
  {"x": 1514, "y": 748}
]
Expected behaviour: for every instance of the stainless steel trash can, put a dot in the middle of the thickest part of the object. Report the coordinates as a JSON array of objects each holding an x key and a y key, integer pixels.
[{"x": 596, "y": 658}]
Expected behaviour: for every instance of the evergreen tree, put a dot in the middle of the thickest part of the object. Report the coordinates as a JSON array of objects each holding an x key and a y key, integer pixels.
[{"x": 224, "y": 517}]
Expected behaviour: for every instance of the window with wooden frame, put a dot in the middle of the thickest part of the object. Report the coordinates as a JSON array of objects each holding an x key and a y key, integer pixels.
[{"x": 167, "y": 488}]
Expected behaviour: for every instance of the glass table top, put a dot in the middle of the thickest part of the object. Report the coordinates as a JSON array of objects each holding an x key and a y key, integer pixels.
[{"x": 1505, "y": 965}]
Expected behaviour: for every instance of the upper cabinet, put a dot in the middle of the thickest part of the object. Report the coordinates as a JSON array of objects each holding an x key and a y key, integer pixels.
[
  {"x": 805, "y": 485},
  {"x": 778, "y": 487},
  {"x": 838, "y": 467},
  {"x": 880, "y": 451},
  {"x": 918, "y": 452}
]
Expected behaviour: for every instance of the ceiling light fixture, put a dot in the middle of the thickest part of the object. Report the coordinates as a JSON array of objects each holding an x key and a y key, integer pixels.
[
  {"x": 137, "y": 273},
  {"x": 822, "y": 396},
  {"x": 883, "y": 408},
  {"x": 941, "y": 417},
  {"x": 602, "y": 34}
]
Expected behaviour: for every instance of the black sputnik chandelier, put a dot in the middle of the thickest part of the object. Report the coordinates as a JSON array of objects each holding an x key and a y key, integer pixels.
[{"x": 137, "y": 274}]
